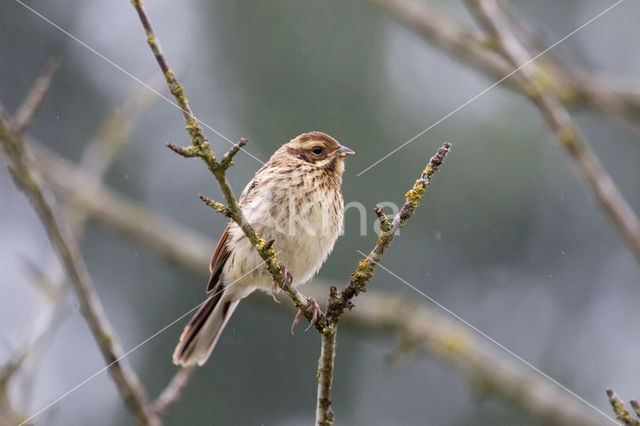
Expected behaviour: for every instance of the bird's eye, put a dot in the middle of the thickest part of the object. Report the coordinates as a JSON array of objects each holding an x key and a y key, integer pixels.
[{"x": 317, "y": 150}]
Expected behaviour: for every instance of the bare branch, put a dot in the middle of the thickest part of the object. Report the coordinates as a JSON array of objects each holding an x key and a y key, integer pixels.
[
  {"x": 621, "y": 413},
  {"x": 324, "y": 413},
  {"x": 227, "y": 159},
  {"x": 69, "y": 255},
  {"x": 598, "y": 180},
  {"x": 98, "y": 155},
  {"x": 219, "y": 207},
  {"x": 340, "y": 301},
  {"x": 361, "y": 276},
  {"x": 573, "y": 87},
  {"x": 173, "y": 391},
  {"x": 177, "y": 90},
  {"x": 200, "y": 148},
  {"x": 32, "y": 103},
  {"x": 636, "y": 407}
]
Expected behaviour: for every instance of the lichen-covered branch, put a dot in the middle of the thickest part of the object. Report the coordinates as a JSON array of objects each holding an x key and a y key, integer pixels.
[
  {"x": 340, "y": 301},
  {"x": 200, "y": 148},
  {"x": 90, "y": 305},
  {"x": 598, "y": 180},
  {"x": 625, "y": 417},
  {"x": 378, "y": 312},
  {"x": 324, "y": 413}
]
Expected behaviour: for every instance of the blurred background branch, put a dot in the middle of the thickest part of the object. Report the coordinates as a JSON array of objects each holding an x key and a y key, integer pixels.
[
  {"x": 603, "y": 188},
  {"x": 66, "y": 247},
  {"x": 572, "y": 86},
  {"x": 547, "y": 82}
]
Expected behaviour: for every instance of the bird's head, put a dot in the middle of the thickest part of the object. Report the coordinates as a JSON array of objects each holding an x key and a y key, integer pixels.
[{"x": 319, "y": 150}]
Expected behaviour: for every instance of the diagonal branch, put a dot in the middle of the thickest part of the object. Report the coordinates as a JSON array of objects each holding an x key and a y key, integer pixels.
[
  {"x": 173, "y": 391},
  {"x": 340, "y": 301},
  {"x": 622, "y": 413},
  {"x": 200, "y": 148},
  {"x": 65, "y": 247},
  {"x": 572, "y": 86},
  {"x": 598, "y": 180},
  {"x": 34, "y": 99},
  {"x": 361, "y": 276}
]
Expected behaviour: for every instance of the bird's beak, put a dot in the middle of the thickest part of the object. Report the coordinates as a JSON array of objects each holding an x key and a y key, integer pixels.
[{"x": 343, "y": 151}]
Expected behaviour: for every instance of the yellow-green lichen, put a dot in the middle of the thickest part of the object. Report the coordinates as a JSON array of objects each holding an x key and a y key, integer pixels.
[
  {"x": 455, "y": 344},
  {"x": 414, "y": 194},
  {"x": 566, "y": 135},
  {"x": 538, "y": 84}
]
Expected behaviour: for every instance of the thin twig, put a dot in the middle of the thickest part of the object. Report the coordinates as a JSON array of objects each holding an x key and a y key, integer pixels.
[
  {"x": 573, "y": 87},
  {"x": 564, "y": 129},
  {"x": 65, "y": 247},
  {"x": 200, "y": 148},
  {"x": 361, "y": 276},
  {"x": 621, "y": 413},
  {"x": 378, "y": 312},
  {"x": 339, "y": 301},
  {"x": 173, "y": 391},
  {"x": 98, "y": 155},
  {"x": 636, "y": 407},
  {"x": 34, "y": 99}
]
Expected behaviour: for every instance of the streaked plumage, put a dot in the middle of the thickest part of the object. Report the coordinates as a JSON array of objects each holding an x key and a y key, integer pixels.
[{"x": 294, "y": 199}]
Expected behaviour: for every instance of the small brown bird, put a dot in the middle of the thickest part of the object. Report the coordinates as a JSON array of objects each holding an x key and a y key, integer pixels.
[{"x": 294, "y": 199}]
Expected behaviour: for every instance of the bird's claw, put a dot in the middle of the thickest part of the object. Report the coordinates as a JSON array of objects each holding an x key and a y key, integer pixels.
[
  {"x": 274, "y": 291},
  {"x": 287, "y": 278},
  {"x": 314, "y": 318}
]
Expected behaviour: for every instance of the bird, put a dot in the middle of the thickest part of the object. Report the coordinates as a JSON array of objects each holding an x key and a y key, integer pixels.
[{"x": 295, "y": 200}]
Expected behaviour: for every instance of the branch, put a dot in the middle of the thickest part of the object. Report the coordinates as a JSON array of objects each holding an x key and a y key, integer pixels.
[
  {"x": 573, "y": 87},
  {"x": 621, "y": 413},
  {"x": 378, "y": 312},
  {"x": 173, "y": 391},
  {"x": 602, "y": 186},
  {"x": 99, "y": 153},
  {"x": 200, "y": 148},
  {"x": 90, "y": 305},
  {"x": 339, "y": 301},
  {"x": 32, "y": 103},
  {"x": 324, "y": 413},
  {"x": 361, "y": 276}
]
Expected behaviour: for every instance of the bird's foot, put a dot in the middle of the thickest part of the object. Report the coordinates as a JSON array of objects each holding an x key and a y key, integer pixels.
[
  {"x": 314, "y": 318},
  {"x": 275, "y": 290},
  {"x": 286, "y": 275}
]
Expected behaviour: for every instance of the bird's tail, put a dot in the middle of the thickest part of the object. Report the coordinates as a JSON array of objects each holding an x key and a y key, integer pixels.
[{"x": 201, "y": 334}]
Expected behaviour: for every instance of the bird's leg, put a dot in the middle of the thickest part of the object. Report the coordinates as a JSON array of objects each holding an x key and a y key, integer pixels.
[{"x": 314, "y": 318}]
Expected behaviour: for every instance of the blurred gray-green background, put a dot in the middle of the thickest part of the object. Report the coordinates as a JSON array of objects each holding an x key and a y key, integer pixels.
[{"x": 507, "y": 238}]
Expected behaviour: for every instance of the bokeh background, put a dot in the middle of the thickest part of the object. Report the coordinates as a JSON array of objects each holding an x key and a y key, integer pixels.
[{"x": 507, "y": 238}]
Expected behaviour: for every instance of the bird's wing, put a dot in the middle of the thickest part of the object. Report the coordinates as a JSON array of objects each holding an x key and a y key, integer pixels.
[
  {"x": 222, "y": 250},
  {"x": 220, "y": 256}
]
